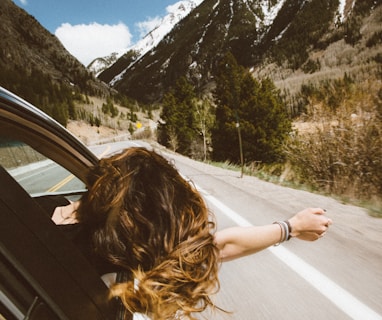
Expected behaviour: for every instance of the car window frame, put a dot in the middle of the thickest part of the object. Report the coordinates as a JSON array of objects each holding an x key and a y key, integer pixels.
[{"x": 23, "y": 121}]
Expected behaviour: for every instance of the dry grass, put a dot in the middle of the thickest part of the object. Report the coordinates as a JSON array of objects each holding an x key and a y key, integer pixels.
[
  {"x": 339, "y": 151},
  {"x": 111, "y": 129}
]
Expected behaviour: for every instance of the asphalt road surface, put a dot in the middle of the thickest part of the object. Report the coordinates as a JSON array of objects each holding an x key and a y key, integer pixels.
[{"x": 337, "y": 277}]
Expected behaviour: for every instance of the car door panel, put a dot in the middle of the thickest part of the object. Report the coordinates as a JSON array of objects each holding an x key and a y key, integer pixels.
[{"x": 49, "y": 262}]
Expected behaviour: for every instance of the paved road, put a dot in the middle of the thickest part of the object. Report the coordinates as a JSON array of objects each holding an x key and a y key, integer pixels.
[{"x": 336, "y": 277}]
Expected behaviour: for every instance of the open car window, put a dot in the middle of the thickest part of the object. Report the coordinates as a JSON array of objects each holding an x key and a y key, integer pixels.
[{"x": 37, "y": 174}]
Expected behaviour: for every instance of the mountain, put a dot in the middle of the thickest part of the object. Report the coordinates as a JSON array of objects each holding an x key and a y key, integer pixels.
[
  {"x": 98, "y": 65},
  {"x": 286, "y": 34},
  {"x": 176, "y": 12},
  {"x": 28, "y": 49}
]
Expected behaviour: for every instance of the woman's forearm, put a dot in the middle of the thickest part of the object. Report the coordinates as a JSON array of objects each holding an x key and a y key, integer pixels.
[
  {"x": 238, "y": 242},
  {"x": 309, "y": 224}
]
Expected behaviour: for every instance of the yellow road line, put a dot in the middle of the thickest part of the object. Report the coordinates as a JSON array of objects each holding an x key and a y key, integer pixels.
[
  {"x": 61, "y": 183},
  {"x": 70, "y": 177}
]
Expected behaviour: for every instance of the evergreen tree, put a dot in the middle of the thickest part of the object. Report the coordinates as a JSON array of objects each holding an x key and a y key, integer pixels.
[
  {"x": 178, "y": 116},
  {"x": 72, "y": 110},
  {"x": 268, "y": 122},
  {"x": 256, "y": 107},
  {"x": 167, "y": 119},
  {"x": 131, "y": 128},
  {"x": 224, "y": 134},
  {"x": 132, "y": 116},
  {"x": 37, "y": 88},
  {"x": 108, "y": 108},
  {"x": 204, "y": 119}
]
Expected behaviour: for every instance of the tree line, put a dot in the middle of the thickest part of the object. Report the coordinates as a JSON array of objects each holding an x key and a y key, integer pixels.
[
  {"x": 240, "y": 109},
  {"x": 54, "y": 98}
]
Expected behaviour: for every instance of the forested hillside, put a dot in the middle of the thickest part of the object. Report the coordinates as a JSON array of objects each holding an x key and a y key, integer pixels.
[{"x": 35, "y": 65}]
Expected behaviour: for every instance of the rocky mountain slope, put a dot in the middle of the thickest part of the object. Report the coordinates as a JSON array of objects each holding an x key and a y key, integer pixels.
[
  {"x": 176, "y": 12},
  {"x": 288, "y": 35}
]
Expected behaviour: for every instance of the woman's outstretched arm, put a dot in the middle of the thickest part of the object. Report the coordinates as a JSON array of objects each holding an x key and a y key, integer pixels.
[{"x": 309, "y": 224}]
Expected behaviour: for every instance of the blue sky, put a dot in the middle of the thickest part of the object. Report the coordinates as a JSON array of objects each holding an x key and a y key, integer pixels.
[{"x": 90, "y": 29}]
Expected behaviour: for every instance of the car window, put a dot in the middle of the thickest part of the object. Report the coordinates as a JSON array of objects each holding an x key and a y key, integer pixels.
[{"x": 37, "y": 174}]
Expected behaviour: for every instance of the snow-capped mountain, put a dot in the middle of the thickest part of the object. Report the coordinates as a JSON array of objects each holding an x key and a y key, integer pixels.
[
  {"x": 273, "y": 38},
  {"x": 280, "y": 31},
  {"x": 176, "y": 12},
  {"x": 100, "y": 64}
]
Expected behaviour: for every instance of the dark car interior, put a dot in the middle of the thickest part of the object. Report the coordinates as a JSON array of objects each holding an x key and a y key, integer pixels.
[{"x": 39, "y": 267}]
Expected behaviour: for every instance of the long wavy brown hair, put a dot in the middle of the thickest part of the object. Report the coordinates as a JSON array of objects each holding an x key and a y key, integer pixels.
[{"x": 149, "y": 221}]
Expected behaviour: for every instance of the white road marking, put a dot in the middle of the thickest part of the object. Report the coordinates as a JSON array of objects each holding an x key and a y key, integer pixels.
[{"x": 349, "y": 304}]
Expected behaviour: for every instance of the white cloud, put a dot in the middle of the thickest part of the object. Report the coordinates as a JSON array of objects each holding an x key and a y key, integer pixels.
[
  {"x": 89, "y": 41},
  {"x": 24, "y": 2},
  {"x": 150, "y": 24}
]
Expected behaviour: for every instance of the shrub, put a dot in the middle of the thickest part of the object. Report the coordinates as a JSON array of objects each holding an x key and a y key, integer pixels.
[
  {"x": 343, "y": 157},
  {"x": 311, "y": 66},
  {"x": 375, "y": 39}
]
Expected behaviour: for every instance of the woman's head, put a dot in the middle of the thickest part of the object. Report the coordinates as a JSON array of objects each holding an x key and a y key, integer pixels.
[{"x": 148, "y": 220}]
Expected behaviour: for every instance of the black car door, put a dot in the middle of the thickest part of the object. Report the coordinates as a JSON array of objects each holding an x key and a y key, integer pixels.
[{"x": 43, "y": 275}]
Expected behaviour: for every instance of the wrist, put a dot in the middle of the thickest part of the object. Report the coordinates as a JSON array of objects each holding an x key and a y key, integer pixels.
[
  {"x": 289, "y": 226},
  {"x": 285, "y": 229},
  {"x": 293, "y": 227}
]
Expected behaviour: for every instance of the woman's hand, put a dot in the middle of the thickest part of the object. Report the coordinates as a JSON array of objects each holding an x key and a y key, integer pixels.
[
  {"x": 66, "y": 214},
  {"x": 309, "y": 224}
]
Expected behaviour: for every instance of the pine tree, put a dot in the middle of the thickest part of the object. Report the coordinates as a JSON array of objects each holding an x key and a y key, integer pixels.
[
  {"x": 269, "y": 123},
  {"x": 178, "y": 116},
  {"x": 254, "y": 106},
  {"x": 167, "y": 118},
  {"x": 224, "y": 135},
  {"x": 204, "y": 119}
]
